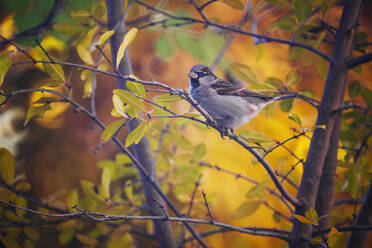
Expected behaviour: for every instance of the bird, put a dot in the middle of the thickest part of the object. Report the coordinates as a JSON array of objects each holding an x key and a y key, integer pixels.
[{"x": 229, "y": 104}]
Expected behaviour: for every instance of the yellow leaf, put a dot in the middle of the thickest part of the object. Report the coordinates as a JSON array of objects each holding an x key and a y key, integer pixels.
[
  {"x": 128, "y": 38},
  {"x": 302, "y": 219},
  {"x": 136, "y": 88},
  {"x": 254, "y": 136},
  {"x": 294, "y": 117},
  {"x": 333, "y": 231},
  {"x": 22, "y": 202},
  {"x": 105, "y": 182},
  {"x": 36, "y": 112},
  {"x": 72, "y": 198},
  {"x": 105, "y": 36},
  {"x": 4, "y": 66},
  {"x": 136, "y": 135},
  {"x": 111, "y": 129},
  {"x": 23, "y": 187},
  {"x": 84, "y": 54},
  {"x": 114, "y": 112},
  {"x": 6, "y": 165},
  {"x": 28, "y": 244},
  {"x": 31, "y": 233},
  {"x": 120, "y": 107},
  {"x": 55, "y": 71},
  {"x": 130, "y": 99},
  {"x": 9, "y": 243},
  {"x": 86, "y": 240},
  {"x": 312, "y": 215},
  {"x": 168, "y": 98}
]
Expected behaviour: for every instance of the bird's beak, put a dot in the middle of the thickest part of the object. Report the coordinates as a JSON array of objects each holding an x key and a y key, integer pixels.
[{"x": 192, "y": 75}]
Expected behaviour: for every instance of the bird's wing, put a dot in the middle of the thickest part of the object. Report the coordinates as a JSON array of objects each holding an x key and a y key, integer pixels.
[{"x": 225, "y": 88}]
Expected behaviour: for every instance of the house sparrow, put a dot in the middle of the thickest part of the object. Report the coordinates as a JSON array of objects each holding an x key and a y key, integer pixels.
[{"x": 230, "y": 105}]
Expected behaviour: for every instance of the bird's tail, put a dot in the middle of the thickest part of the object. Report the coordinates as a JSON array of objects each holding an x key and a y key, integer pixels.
[{"x": 278, "y": 98}]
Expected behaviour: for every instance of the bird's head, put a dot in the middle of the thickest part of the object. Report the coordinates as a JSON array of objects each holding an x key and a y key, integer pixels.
[{"x": 200, "y": 75}]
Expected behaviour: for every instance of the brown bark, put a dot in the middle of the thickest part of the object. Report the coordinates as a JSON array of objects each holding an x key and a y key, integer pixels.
[
  {"x": 334, "y": 90},
  {"x": 142, "y": 151},
  {"x": 358, "y": 239}
]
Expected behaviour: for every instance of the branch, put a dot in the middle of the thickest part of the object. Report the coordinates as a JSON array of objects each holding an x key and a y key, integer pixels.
[
  {"x": 268, "y": 168},
  {"x": 358, "y": 239},
  {"x": 106, "y": 218},
  {"x": 240, "y": 176},
  {"x": 138, "y": 165},
  {"x": 36, "y": 30},
  {"x": 237, "y": 30},
  {"x": 365, "y": 58}
]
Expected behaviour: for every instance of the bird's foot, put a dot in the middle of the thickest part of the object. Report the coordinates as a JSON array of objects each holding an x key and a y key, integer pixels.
[{"x": 224, "y": 131}]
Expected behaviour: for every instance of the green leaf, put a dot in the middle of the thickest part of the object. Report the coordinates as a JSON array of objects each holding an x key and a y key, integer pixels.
[
  {"x": 72, "y": 198},
  {"x": 7, "y": 168},
  {"x": 136, "y": 88},
  {"x": 295, "y": 53},
  {"x": 128, "y": 38},
  {"x": 244, "y": 72},
  {"x": 167, "y": 98},
  {"x": 277, "y": 217},
  {"x": 286, "y": 105},
  {"x": 257, "y": 190},
  {"x": 130, "y": 99},
  {"x": 236, "y": 4},
  {"x": 312, "y": 215},
  {"x": 367, "y": 96},
  {"x": 294, "y": 117},
  {"x": 37, "y": 112},
  {"x": 321, "y": 67},
  {"x": 5, "y": 64},
  {"x": 278, "y": 2},
  {"x": 308, "y": 93},
  {"x": 302, "y": 219},
  {"x": 247, "y": 208},
  {"x": 357, "y": 69},
  {"x": 199, "y": 151},
  {"x": 354, "y": 88},
  {"x": 292, "y": 78},
  {"x": 55, "y": 71},
  {"x": 302, "y": 8},
  {"x": 105, "y": 36},
  {"x": 275, "y": 82},
  {"x": 254, "y": 136},
  {"x": 162, "y": 47},
  {"x": 111, "y": 130},
  {"x": 287, "y": 23},
  {"x": 190, "y": 44},
  {"x": 105, "y": 182},
  {"x": 136, "y": 135}
]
